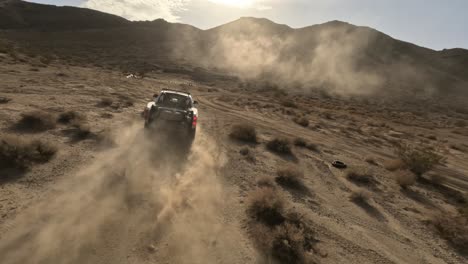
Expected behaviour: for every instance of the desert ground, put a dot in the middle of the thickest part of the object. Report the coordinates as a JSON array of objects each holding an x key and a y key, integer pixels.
[{"x": 257, "y": 186}]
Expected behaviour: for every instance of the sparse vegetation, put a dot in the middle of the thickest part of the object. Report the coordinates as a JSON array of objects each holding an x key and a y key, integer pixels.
[
  {"x": 266, "y": 182},
  {"x": 394, "y": 165},
  {"x": 360, "y": 196},
  {"x": 69, "y": 117},
  {"x": 302, "y": 121},
  {"x": 284, "y": 236},
  {"x": 106, "y": 102},
  {"x": 248, "y": 154},
  {"x": 19, "y": 153},
  {"x": 360, "y": 176},
  {"x": 302, "y": 143},
  {"x": 405, "y": 178},
  {"x": 453, "y": 228},
  {"x": 290, "y": 177},
  {"x": 267, "y": 206},
  {"x": 288, "y": 103},
  {"x": 36, "y": 121},
  {"x": 279, "y": 145},
  {"x": 419, "y": 160},
  {"x": 81, "y": 131},
  {"x": 4, "y": 100},
  {"x": 244, "y": 132}
]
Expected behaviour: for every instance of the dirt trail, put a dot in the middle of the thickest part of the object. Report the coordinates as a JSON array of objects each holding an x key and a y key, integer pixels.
[{"x": 132, "y": 204}]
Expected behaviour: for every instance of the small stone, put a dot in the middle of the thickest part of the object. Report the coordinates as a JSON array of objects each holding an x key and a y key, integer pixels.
[{"x": 152, "y": 248}]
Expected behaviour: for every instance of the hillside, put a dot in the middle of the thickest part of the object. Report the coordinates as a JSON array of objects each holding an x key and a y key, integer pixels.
[{"x": 335, "y": 57}]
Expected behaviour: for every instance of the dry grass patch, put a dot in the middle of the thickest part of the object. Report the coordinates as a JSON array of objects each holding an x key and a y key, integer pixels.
[
  {"x": 360, "y": 196},
  {"x": 454, "y": 229},
  {"x": 283, "y": 236},
  {"x": 106, "y": 102},
  {"x": 302, "y": 121},
  {"x": 266, "y": 205},
  {"x": 394, "y": 165},
  {"x": 419, "y": 160},
  {"x": 361, "y": 176},
  {"x": 290, "y": 177},
  {"x": 244, "y": 132},
  {"x": 4, "y": 100},
  {"x": 302, "y": 143},
  {"x": 266, "y": 182},
  {"x": 405, "y": 178},
  {"x": 69, "y": 117},
  {"x": 36, "y": 121},
  {"x": 19, "y": 153},
  {"x": 279, "y": 145},
  {"x": 248, "y": 154}
]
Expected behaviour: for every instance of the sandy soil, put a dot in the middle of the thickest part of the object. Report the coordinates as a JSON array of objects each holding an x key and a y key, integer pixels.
[{"x": 142, "y": 201}]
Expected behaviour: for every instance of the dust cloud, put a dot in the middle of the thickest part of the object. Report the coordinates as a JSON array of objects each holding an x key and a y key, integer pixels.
[
  {"x": 336, "y": 57},
  {"x": 131, "y": 197}
]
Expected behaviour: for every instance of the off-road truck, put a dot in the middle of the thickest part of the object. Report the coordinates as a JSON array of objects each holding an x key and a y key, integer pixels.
[{"x": 172, "y": 112}]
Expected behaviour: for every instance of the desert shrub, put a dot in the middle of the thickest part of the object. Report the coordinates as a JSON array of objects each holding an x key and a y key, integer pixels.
[
  {"x": 266, "y": 182},
  {"x": 290, "y": 177},
  {"x": 248, "y": 154},
  {"x": 302, "y": 143},
  {"x": 288, "y": 103},
  {"x": 453, "y": 228},
  {"x": 419, "y": 160},
  {"x": 405, "y": 178},
  {"x": 69, "y": 116},
  {"x": 360, "y": 196},
  {"x": 106, "y": 102},
  {"x": 244, "y": 132},
  {"x": 288, "y": 244},
  {"x": 371, "y": 161},
  {"x": 360, "y": 176},
  {"x": 394, "y": 165},
  {"x": 302, "y": 121},
  {"x": 4, "y": 100},
  {"x": 19, "y": 153},
  {"x": 81, "y": 131},
  {"x": 107, "y": 115},
  {"x": 266, "y": 205},
  {"x": 279, "y": 145},
  {"x": 36, "y": 121}
]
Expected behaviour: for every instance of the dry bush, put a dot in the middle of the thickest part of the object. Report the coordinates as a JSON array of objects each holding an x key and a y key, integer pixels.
[
  {"x": 290, "y": 177},
  {"x": 69, "y": 117},
  {"x": 266, "y": 205},
  {"x": 19, "y": 153},
  {"x": 106, "y": 102},
  {"x": 360, "y": 196},
  {"x": 244, "y": 132},
  {"x": 266, "y": 182},
  {"x": 454, "y": 229},
  {"x": 394, "y": 165},
  {"x": 288, "y": 103},
  {"x": 107, "y": 115},
  {"x": 302, "y": 121},
  {"x": 36, "y": 121},
  {"x": 279, "y": 145},
  {"x": 4, "y": 100},
  {"x": 302, "y": 143},
  {"x": 248, "y": 154},
  {"x": 371, "y": 161},
  {"x": 81, "y": 131},
  {"x": 419, "y": 160},
  {"x": 405, "y": 178},
  {"x": 360, "y": 176},
  {"x": 287, "y": 238}
]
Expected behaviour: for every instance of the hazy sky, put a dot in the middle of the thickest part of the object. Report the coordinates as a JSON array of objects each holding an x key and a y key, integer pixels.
[{"x": 435, "y": 24}]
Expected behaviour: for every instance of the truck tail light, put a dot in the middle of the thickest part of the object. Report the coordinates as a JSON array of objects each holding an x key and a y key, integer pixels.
[{"x": 194, "y": 121}]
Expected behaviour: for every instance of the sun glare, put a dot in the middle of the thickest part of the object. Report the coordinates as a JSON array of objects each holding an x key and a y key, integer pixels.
[{"x": 235, "y": 3}]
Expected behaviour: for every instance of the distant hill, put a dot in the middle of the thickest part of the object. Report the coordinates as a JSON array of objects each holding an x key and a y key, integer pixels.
[{"x": 335, "y": 56}]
